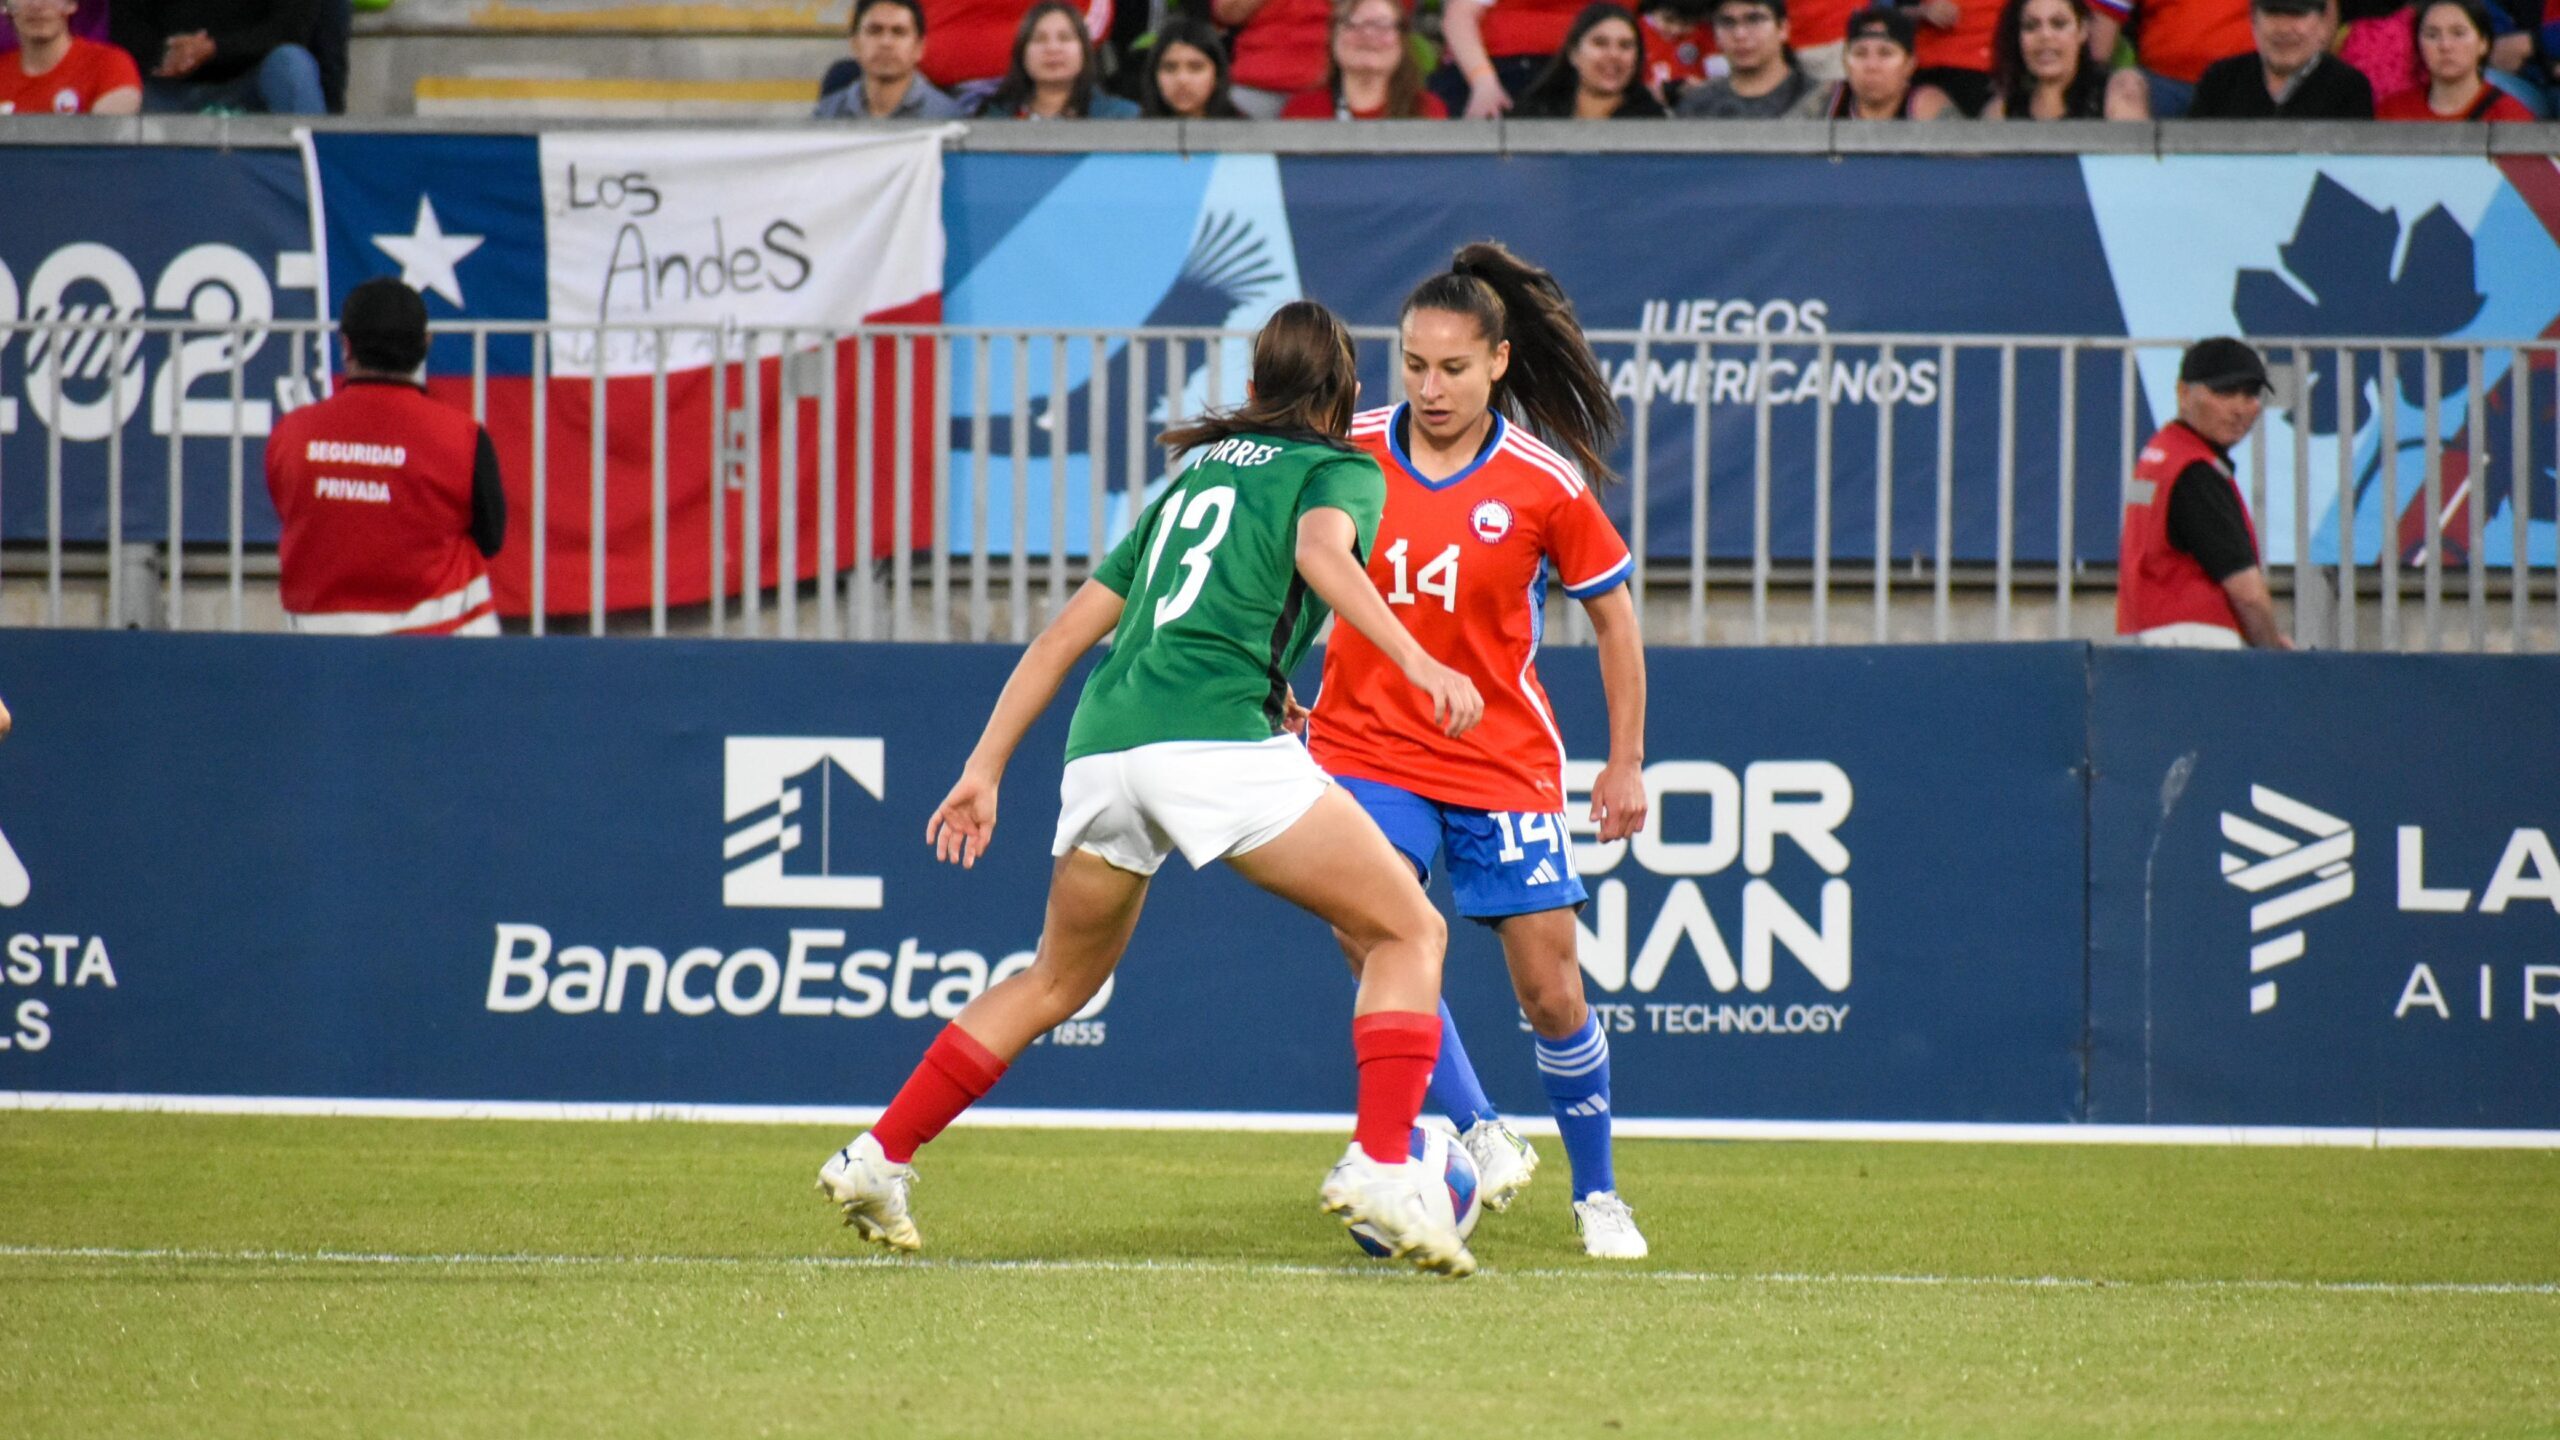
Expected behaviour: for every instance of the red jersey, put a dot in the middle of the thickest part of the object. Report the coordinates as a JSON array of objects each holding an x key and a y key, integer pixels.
[
  {"x": 2156, "y": 582},
  {"x": 1464, "y": 564},
  {"x": 1321, "y": 104},
  {"x": 1817, "y": 23},
  {"x": 1967, "y": 46},
  {"x": 1283, "y": 46},
  {"x": 1673, "y": 64},
  {"x": 1512, "y": 28},
  {"x": 373, "y": 485},
  {"x": 72, "y": 87},
  {"x": 972, "y": 40},
  {"x": 2494, "y": 104}
]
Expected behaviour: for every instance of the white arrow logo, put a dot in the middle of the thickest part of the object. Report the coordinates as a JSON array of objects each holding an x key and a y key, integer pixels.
[
  {"x": 2322, "y": 859},
  {"x": 13, "y": 876}
]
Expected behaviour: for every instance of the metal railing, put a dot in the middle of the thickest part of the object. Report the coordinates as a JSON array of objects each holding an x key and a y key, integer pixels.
[{"x": 971, "y": 473}]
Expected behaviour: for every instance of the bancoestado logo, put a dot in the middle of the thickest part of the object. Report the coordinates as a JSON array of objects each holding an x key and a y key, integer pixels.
[
  {"x": 2313, "y": 868},
  {"x": 800, "y": 813},
  {"x": 29, "y": 961},
  {"x": 1746, "y": 819}
]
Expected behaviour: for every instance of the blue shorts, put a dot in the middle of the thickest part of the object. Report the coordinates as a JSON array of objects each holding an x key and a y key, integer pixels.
[{"x": 1501, "y": 863}]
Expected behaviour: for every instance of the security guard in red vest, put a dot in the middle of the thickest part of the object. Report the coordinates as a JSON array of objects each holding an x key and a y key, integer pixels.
[
  {"x": 391, "y": 501},
  {"x": 2187, "y": 569}
]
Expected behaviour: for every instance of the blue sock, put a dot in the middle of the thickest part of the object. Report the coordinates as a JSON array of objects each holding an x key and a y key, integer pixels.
[
  {"x": 1454, "y": 1086},
  {"x": 1575, "y": 1071}
]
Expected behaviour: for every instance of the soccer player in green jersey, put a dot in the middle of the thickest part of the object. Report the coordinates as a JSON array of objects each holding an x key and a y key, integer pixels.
[{"x": 1178, "y": 743}]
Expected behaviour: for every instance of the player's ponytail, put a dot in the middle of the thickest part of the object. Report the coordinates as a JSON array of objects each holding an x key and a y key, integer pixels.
[
  {"x": 1305, "y": 379},
  {"x": 1554, "y": 383}
]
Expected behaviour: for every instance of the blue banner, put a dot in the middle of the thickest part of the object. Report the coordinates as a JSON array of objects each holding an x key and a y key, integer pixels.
[
  {"x": 2323, "y": 890},
  {"x": 673, "y": 873},
  {"x": 1735, "y": 251},
  {"x": 2015, "y": 884},
  {"x": 160, "y": 234}
]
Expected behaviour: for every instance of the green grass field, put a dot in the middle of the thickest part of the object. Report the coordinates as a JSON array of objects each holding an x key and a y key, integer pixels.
[{"x": 208, "y": 1276}]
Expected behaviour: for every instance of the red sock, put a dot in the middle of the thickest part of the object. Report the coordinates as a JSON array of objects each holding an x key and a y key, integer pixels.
[
  {"x": 955, "y": 1072},
  {"x": 1396, "y": 1050}
]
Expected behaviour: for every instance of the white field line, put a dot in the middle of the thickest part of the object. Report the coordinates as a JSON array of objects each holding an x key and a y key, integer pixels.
[
  {"x": 1635, "y": 1128},
  {"x": 507, "y": 1261}
]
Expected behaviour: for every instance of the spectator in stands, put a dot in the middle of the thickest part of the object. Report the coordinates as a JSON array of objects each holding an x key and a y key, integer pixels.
[
  {"x": 1818, "y": 38},
  {"x": 52, "y": 71},
  {"x": 1055, "y": 75},
  {"x": 2174, "y": 40},
  {"x": 2453, "y": 46},
  {"x": 1953, "y": 48},
  {"x": 4, "y": 720},
  {"x": 228, "y": 55},
  {"x": 1599, "y": 75},
  {"x": 1496, "y": 47},
  {"x": 1881, "y": 64},
  {"x": 2373, "y": 36},
  {"x": 1374, "y": 74},
  {"x": 2187, "y": 568},
  {"x": 888, "y": 45},
  {"x": 1679, "y": 47},
  {"x": 2291, "y": 77},
  {"x": 390, "y": 502},
  {"x": 1280, "y": 49},
  {"x": 89, "y": 22},
  {"x": 333, "y": 31},
  {"x": 2041, "y": 68},
  {"x": 973, "y": 40},
  {"x": 1763, "y": 82},
  {"x": 1186, "y": 73}
]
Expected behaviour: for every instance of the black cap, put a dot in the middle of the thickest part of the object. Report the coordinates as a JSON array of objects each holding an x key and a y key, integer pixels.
[
  {"x": 1884, "y": 22},
  {"x": 2290, "y": 7},
  {"x": 2222, "y": 363},
  {"x": 386, "y": 325}
]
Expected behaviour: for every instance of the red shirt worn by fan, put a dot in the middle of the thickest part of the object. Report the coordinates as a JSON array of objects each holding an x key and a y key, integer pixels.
[
  {"x": 374, "y": 486},
  {"x": 72, "y": 87},
  {"x": 1465, "y": 564}
]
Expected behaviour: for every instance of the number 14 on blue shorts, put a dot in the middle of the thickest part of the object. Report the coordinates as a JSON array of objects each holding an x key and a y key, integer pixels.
[{"x": 1501, "y": 862}]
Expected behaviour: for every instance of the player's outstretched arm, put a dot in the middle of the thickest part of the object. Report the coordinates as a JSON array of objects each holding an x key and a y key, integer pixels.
[
  {"x": 965, "y": 821},
  {"x": 1617, "y": 797},
  {"x": 1333, "y": 570}
]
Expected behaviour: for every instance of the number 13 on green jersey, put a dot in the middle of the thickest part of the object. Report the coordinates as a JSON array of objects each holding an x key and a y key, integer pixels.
[{"x": 1217, "y": 614}]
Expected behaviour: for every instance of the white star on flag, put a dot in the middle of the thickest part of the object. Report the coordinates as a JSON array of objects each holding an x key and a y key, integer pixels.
[{"x": 427, "y": 255}]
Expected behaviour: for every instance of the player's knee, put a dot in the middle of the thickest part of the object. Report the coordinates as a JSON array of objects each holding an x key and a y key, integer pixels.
[
  {"x": 1354, "y": 951},
  {"x": 1423, "y": 928},
  {"x": 1553, "y": 1004}
]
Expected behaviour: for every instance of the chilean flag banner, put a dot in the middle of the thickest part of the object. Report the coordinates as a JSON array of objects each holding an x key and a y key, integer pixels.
[{"x": 701, "y": 232}]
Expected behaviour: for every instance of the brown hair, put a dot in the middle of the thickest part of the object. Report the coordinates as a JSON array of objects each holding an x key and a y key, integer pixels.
[
  {"x": 1554, "y": 383},
  {"x": 1305, "y": 379},
  {"x": 1404, "y": 87},
  {"x": 1013, "y": 94}
]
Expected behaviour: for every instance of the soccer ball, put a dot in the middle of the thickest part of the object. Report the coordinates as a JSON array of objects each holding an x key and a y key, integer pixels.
[{"x": 1441, "y": 1155}]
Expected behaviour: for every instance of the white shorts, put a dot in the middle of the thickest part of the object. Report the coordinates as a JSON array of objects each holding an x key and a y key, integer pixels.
[{"x": 1207, "y": 798}]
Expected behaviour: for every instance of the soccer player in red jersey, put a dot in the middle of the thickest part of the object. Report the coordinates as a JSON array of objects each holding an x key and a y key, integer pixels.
[{"x": 1482, "y": 518}]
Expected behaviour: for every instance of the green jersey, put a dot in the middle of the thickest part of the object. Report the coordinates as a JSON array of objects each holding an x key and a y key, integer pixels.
[{"x": 1217, "y": 613}]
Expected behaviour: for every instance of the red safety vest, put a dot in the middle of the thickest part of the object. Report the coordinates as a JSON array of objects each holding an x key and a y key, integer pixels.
[
  {"x": 374, "y": 488},
  {"x": 2156, "y": 582}
]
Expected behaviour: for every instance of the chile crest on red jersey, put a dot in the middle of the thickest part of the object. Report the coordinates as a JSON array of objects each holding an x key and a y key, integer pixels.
[{"x": 1465, "y": 563}]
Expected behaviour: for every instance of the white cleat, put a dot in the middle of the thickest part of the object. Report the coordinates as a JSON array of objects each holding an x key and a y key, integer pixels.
[
  {"x": 872, "y": 1191},
  {"x": 1395, "y": 1201},
  {"x": 1608, "y": 1227},
  {"x": 1504, "y": 1162}
]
